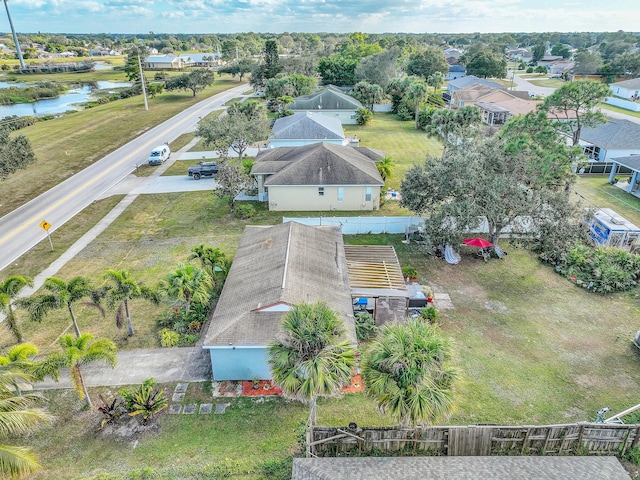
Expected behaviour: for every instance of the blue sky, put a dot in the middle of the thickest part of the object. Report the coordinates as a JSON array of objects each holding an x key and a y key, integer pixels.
[{"x": 277, "y": 16}]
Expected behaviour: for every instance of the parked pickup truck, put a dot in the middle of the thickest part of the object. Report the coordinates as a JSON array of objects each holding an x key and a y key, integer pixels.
[{"x": 203, "y": 169}]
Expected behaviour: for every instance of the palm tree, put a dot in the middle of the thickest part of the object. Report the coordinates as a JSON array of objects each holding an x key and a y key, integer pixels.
[
  {"x": 62, "y": 295},
  {"x": 8, "y": 291},
  {"x": 311, "y": 357},
  {"x": 213, "y": 261},
  {"x": 189, "y": 283},
  {"x": 122, "y": 289},
  {"x": 406, "y": 369},
  {"x": 22, "y": 357},
  {"x": 416, "y": 91},
  {"x": 385, "y": 167},
  {"x": 18, "y": 416},
  {"x": 81, "y": 351}
]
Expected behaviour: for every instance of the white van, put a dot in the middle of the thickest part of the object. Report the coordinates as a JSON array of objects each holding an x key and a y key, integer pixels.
[{"x": 159, "y": 155}]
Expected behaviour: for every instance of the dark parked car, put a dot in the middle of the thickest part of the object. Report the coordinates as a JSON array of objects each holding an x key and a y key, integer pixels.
[{"x": 203, "y": 169}]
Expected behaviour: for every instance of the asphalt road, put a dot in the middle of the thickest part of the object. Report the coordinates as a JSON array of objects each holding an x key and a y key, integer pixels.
[{"x": 20, "y": 230}]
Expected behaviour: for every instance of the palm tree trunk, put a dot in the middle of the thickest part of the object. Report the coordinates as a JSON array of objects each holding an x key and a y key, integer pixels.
[
  {"x": 126, "y": 311},
  {"x": 187, "y": 299},
  {"x": 82, "y": 385},
  {"x": 73, "y": 320},
  {"x": 12, "y": 324},
  {"x": 312, "y": 412}
]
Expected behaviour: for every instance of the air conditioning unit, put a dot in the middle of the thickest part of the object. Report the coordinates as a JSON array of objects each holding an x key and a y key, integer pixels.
[{"x": 618, "y": 220}]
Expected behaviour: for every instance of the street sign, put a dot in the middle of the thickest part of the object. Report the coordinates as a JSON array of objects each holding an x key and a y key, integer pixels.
[{"x": 45, "y": 225}]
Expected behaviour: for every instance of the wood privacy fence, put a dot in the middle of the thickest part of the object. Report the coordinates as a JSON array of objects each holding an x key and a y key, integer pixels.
[{"x": 475, "y": 440}]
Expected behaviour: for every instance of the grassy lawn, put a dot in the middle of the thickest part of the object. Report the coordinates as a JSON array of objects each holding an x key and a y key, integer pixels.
[
  {"x": 89, "y": 135},
  {"x": 398, "y": 140},
  {"x": 599, "y": 193},
  {"x": 619, "y": 110},
  {"x": 548, "y": 82}
]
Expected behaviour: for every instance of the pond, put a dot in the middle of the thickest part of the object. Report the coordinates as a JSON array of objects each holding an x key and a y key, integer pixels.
[{"x": 67, "y": 101}]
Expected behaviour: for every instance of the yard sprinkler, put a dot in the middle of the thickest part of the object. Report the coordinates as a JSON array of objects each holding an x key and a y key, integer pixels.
[{"x": 600, "y": 414}]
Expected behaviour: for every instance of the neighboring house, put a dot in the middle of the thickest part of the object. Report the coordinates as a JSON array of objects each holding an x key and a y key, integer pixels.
[
  {"x": 616, "y": 138},
  {"x": 560, "y": 67},
  {"x": 628, "y": 89},
  {"x": 460, "y": 468},
  {"x": 452, "y": 55},
  {"x": 329, "y": 101},
  {"x": 164, "y": 62},
  {"x": 200, "y": 59},
  {"x": 468, "y": 81},
  {"x": 319, "y": 177},
  {"x": 274, "y": 268},
  {"x": 304, "y": 128},
  {"x": 455, "y": 71},
  {"x": 548, "y": 60},
  {"x": 632, "y": 162}
]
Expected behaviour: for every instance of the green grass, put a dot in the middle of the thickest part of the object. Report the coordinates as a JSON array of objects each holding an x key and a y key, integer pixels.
[
  {"x": 548, "y": 82},
  {"x": 398, "y": 140},
  {"x": 619, "y": 110},
  {"x": 88, "y": 136},
  {"x": 597, "y": 192}
]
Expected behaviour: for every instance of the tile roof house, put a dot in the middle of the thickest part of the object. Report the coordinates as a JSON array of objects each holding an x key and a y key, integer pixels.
[
  {"x": 459, "y": 468},
  {"x": 319, "y": 177},
  {"x": 496, "y": 104},
  {"x": 329, "y": 101},
  {"x": 274, "y": 268},
  {"x": 304, "y": 128},
  {"x": 616, "y": 138}
]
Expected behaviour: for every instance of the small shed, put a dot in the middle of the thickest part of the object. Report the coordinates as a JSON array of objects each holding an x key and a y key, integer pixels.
[
  {"x": 609, "y": 228},
  {"x": 376, "y": 281}
]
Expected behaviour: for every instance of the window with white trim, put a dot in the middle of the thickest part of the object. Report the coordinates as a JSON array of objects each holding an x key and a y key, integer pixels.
[
  {"x": 341, "y": 194},
  {"x": 368, "y": 193},
  {"x": 321, "y": 191}
]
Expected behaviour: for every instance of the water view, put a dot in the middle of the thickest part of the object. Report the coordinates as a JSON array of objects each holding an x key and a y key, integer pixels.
[{"x": 67, "y": 101}]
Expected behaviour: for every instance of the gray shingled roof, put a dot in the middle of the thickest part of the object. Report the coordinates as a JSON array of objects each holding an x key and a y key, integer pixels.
[
  {"x": 632, "y": 162},
  {"x": 318, "y": 164},
  {"x": 288, "y": 263},
  {"x": 458, "y": 468},
  {"x": 614, "y": 135},
  {"x": 634, "y": 83},
  {"x": 326, "y": 99},
  {"x": 469, "y": 80},
  {"x": 307, "y": 126}
]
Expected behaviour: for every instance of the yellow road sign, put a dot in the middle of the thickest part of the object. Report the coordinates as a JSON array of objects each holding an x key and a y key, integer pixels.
[{"x": 45, "y": 225}]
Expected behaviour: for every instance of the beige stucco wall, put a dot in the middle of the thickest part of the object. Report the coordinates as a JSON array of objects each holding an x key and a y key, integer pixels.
[{"x": 303, "y": 198}]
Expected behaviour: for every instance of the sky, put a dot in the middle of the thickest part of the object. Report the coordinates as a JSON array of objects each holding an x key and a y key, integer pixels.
[{"x": 339, "y": 16}]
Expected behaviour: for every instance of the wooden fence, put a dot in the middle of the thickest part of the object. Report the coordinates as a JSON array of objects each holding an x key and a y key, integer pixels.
[{"x": 475, "y": 440}]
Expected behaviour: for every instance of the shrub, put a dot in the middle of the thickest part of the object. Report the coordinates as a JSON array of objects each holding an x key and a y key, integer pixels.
[
  {"x": 169, "y": 338},
  {"x": 530, "y": 70},
  {"x": 363, "y": 116},
  {"x": 429, "y": 314},
  {"x": 145, "y": 400},
  {"x": 365, "y": 328},
  {"x": 245, "y": 211},
  {"x": 633, "y": 455},
  {"x": 601, "y": 269},
  {"x": 188, "y": 339}
]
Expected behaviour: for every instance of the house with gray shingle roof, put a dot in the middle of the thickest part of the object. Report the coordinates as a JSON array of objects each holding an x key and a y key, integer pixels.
[
  {"x": 629, "y": 89},
  {"x": 304, "y": 128},
  {"x": 274, "y": 268},
  {"x": 319, "y": 177},
  {"x": 329, "y": 101},
  {"x": 459, "y": 468},
  {"x": 616, "y": 138}
]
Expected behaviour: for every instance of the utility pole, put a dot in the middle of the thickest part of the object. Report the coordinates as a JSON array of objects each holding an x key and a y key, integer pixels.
[
  {"x": 15, "y": 37},
  {"x": 144, "y": 89}
]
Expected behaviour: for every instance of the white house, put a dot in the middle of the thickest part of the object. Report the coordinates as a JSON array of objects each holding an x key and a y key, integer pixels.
[
  {"x": 629, "y": 89},
  {"x": 616, "y": 138}
]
